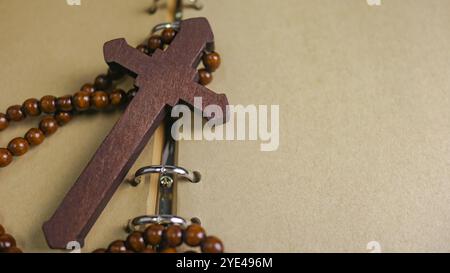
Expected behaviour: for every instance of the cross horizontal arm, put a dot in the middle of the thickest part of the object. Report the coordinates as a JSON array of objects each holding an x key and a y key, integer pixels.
[
  {"x": 208, "y": 96},
  {"x": 118, "y": 53}
]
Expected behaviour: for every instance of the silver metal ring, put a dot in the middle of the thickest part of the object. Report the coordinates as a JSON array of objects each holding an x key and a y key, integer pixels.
[
  {"x": 191, "y": 176},
  {"x": 179, "y": 6},
  {"x": 142, "y": 221},
  {"x": 162, "y": 26}
]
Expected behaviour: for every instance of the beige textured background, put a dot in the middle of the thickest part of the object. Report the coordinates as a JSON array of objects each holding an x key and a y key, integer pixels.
[{"x": 365, "y": 122}]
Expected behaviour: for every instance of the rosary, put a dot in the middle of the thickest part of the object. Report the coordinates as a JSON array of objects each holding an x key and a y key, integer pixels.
[{"x": 166, "y": 73}]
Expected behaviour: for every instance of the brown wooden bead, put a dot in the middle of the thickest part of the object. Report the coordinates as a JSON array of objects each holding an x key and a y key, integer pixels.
[
  {"x": 211, "y": 61},
  {"x": 11, "y": 250},
  {"x": 99, "y": 250},
  {"x": 167, "y": 35},
  {"x": 155, "y": 42},
  {"x": 204, "y": 76},
  {"x": 153, "y": 234},
  {"x": 35, "y": 136},
  {"x": 18, "y": 146},
  {"x": 212, "y": 245},
  {"x": 88, "y": 88},
  {"x": 4, "y": 122},
  {"x": 148, "y": 250},
  {"x": 143, "y": 48},
  {"x": 63, "y": 118},
  {"x": 7, "y": 241},
  {"x": 135, "y": 241},
  {"x": 169, "y": 250},
  {"x": 131, "y": 94},
  {"x": 102, "y": 82},
  {"x": 173, "y": 236},
  {"x": 2, "y": 230},
  {"x": 99, "y": 100},
  {"x": 15, "y": 113},
  {"x": 64, "y": 103},
  {"x": 194, "y": 235},
  {"x": 48, "y": 104},
  {"x": 82, "y": 100},
  {"x": 117, "y": 97},
  {"x": 5, "y": 157},
  {"x": 31, "y": 107},
  {"x": 48, "y": 125},
  {"x": 117, "y": 247}
]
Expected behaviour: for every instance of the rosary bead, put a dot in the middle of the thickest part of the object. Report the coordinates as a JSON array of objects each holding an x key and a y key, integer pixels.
[
  {"x": 173, "y": 236},
  {"x": 64, "y": 103},
  {"x": 63, "y": 118},
  {"x": 211, "y": 61},
  {"x": 153, "y": 234},
  {"x": 117, "y": 97},
  {"x": 5, "y": 158},
  {"x": 81, "y": 100},
  {"x": 143, "y": 49},
  {"x": 205, "y": 77},
  {"x": 15, "y": 113},
  {"x": 131, "y": 94},
  {"x": 100, "y": 100},
  {"x": 4, "y": 123},
  {"x": 148, "y": 250},
  {"x": 88, "y": 88},
  {"x": 2, "y": 230},
  {"x": 135, "y": 241},
  {"x": 212, "y": 245},
  {"x": 18, "y": 146},
  {"x": 31, "y": 107},
  {"x": 48, "y": 104},
  {"x": 12, "y": 249},
  {"x": 194, "y": 235},
  {"x": 99, "y": 250},
  {"x": 117, "y": 247},
  {"x": 102, "y": 82},
  {"x": 7, "y": 241},
  {"x": 115, "y": 74},
  {"x": 155, "y": 42},
  {"x": 169, "y": 250},
  {"x": 167, "y": 35},
  {"x": 35, "y": 136},
  {"x": 48, "y": 125}
]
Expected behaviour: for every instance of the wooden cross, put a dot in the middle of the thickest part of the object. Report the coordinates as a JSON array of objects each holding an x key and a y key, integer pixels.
[{"x": 164, "y": 80}]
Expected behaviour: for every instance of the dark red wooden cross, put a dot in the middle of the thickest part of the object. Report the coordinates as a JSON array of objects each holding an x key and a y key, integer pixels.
[{"x": 164, "y": 80}]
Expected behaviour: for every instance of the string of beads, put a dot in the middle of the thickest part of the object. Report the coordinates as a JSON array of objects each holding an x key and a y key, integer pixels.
[
  {"x": 155, "y": 239},
  {"x": 166, "y": 239},
  {"x": 101, "y": 95}
]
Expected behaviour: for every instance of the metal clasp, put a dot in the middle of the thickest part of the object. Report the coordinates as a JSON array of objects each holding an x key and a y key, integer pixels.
[{"x": 165, "y": 171}]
